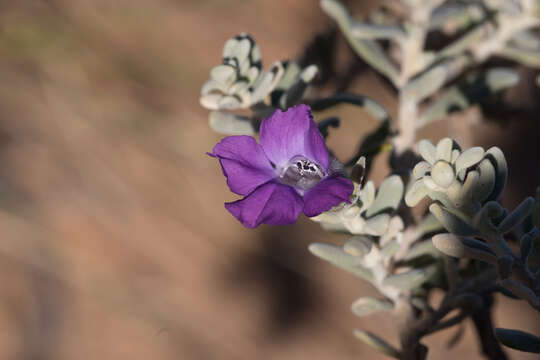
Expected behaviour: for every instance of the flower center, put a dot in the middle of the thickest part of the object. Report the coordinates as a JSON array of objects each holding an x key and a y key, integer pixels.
[{"x": 301, "y": 173}]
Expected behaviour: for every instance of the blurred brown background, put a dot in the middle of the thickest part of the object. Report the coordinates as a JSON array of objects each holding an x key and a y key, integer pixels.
[{"x": 115, "y": 243}]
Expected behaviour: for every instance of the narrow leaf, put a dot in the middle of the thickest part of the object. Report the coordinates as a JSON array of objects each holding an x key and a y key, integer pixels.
[
  {"x": 368, "y": 50},
  {"x": 337, "y": 256},
  {"x": 519, "y": 340},
  {"x": 451, "y": 222},
  {"x": 369, "y": 305},
  {"x": 411, "y": 279},
  {"x": 501, "y": 171},
  {"x": 452, "y": 245},
  {"x": 388, "y": 196},
  {"x": 377, "y": 343},
  {"x": 517, "y": 216},
  {"x": 230, "y": 124}
]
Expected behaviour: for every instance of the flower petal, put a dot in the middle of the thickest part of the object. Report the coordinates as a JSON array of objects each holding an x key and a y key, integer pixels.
[
  {"x": 244, "y": 163},
  {"x": 291, "y": 133},
  {"x": 328, "y": 193},
  {"x": 271, "y": 203}
]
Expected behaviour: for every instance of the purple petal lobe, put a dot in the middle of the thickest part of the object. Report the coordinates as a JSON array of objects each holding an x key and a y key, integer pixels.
[
  {"x": 244, "y": 163},
  {"x": 271, "y": 203},
  {"x": 328, "y": 193},
  {"x": 292, "y": 133}
]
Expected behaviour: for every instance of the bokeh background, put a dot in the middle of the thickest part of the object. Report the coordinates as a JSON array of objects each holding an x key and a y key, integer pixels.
[{"x": 114, "y": 240}]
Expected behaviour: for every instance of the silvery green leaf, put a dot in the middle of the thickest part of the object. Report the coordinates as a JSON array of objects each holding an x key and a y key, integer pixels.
[
  {"x": 501, "y": 78},
  {"x": 519, "y": 340},
  {"x": 243, "y": 68},
  {"x": 430, "y": 184},
  {"x": 390, "y": 249},
  {"x": 337, "y": 256},
  {"x": 332, "y": 253},
  {"x": 224, "y": 74},
  {"x": 210, "y": 101},
  {"x": 267, "y": 82},
  {"x": 388, "y": 196},
  {"x": 367, "y": 195},
  {"x": 370, "y": 51},
  {"x": 467, "y": 92},
  {"x": 452, "y": 245},
  {"x": 486, "y": 181},
  {"x": 411, "y": 279},
  {"x": 334, "y": 227},
  {"x": 421, "y": 169},
  {"x": 256, "y": 56},
  {"x": 291, "y": 72},
  {"x": 229, "y": 46},
  {"x": 527, "y": 40},
  {"x": 294, "y": 94},
  {"x": 452, "y": 222},
  {"x": 425, "y": 84},
  {"x": 416, "y": 193},
  {"x": 444, "y": 149},
  {"x": 504, "y": 266},
  {"x": 517, "y": 216},
  {"x": 452, "y": 99},
  {"x": 526, "y": 57},
  {"x": 358, "y": 245},
  {"x": 230, "y": 124},
  {"x": 395, "y": 227},
  {"x": 238, "y": 87},
  {"x": 377, "y": 343},
  {"x": 501, "y": 171},
  {"x": 213, "y": 86},
  {"x": 377, "y": 225},
  {"x": 443, "y": 174},
  {"x": 428, "y": 151},
  {"x": 463, "y": 43},
  {"x": 469, "y": 158},
  {"x": 242, "y": 48},
  {"x": 470, "y": 186},
  {"x": 374, "y": 31},
  {"x": 309, "y": 73},
  {"x": 424, "y": 247},
  {"x": 455, "y": 155},
  {"x": 428, "y": 224},
  {"x": 442, "y": 198},
  {"x": 459, "y": 15},
  {"x": 229, "y": 103},
  {"x": 368, "y": 305}
]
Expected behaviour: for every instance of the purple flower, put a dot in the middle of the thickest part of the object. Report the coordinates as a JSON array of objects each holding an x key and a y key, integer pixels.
[{"x": 287, "y": 173}]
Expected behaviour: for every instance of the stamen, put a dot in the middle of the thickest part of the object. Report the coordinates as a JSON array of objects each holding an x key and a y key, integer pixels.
[{"x": 301, "y": 173}]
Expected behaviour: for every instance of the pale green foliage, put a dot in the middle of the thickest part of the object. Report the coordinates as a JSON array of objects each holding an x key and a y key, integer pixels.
[
  {"x": 461, "y": 181},
  {"x": 405, "y": 257},
  {"x": 241, "y": 83},
  {"x": 464, "y": 197}
]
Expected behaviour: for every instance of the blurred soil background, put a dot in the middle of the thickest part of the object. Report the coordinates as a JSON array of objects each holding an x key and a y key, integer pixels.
[{"x": 115, "y": 243}]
